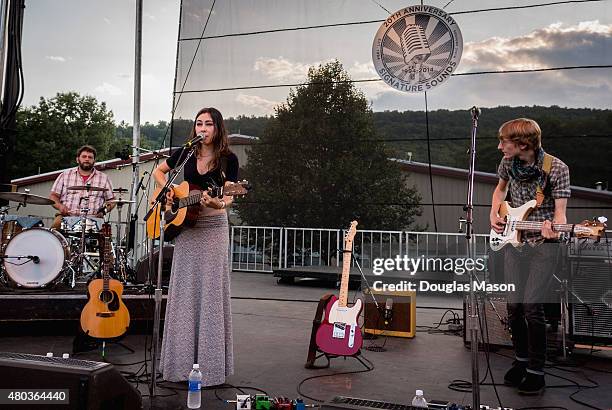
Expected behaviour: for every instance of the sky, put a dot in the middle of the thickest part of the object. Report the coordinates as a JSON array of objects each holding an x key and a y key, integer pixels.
[{"x": 88, "y": 46}]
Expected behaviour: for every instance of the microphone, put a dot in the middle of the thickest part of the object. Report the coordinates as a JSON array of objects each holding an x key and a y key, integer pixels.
[
  {"x": 475, "y": 111},
  {"x": 140, "y": 185},
  {"x": 198, "y": 138},
  {"x": 388, "y": 314}
]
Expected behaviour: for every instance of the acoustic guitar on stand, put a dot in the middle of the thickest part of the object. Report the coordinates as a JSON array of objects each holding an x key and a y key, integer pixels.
[
  {"x": 105, "y": 316},
  {"x": 185, "y": 208},
  {"x": 339, "y": 334},
  {"x": 516, "y": 222}
]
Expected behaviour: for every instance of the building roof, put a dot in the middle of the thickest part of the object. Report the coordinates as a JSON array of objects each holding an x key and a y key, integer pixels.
[
  {"x": 234, "y": 139},
  {"x": 490, "y": 178}
]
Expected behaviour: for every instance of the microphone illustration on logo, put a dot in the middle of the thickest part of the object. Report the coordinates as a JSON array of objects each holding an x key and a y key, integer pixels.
[{"x": 415, "y": 48}]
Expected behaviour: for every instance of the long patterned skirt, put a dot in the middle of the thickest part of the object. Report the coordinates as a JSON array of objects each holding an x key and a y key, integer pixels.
[{"x": 198, "y": 321}]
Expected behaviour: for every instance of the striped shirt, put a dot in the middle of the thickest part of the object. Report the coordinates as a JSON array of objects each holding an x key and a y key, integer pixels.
[
  {"x": 557, "y": 186},
  {"x": 93, "y": 200}
]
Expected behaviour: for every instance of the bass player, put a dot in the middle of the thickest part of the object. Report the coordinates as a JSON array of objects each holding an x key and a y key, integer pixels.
[{"x": 529, "y": 173}]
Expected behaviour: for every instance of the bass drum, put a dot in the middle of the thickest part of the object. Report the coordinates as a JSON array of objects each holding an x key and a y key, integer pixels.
[{"x": 52, "y": 251}]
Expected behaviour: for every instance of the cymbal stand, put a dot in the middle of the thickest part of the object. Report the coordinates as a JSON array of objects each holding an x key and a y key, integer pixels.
[
  {"x": 81, "y": 254},
  {"x": 120, "y": 263}
]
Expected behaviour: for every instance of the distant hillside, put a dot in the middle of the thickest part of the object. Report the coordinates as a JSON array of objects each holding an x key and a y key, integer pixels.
[{"x": 582, "y": 138}]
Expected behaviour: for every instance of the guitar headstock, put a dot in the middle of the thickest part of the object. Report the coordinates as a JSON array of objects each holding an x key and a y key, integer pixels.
[
  {"x": 240, "y": 188},
  {"x": 350, "y": 235},
  {"x": 590, "y": 229}
]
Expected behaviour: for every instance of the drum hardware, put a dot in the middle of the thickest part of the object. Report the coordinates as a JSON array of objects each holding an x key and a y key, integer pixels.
[
  {"x": 118, "y": 250},
  {"x": 88, "y": 188}
]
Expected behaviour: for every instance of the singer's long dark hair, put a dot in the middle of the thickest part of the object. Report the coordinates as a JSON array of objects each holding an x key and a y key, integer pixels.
[{"x": 220, "y": 140}]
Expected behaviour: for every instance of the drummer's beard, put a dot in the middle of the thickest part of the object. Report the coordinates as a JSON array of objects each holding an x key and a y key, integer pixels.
[{"x": 85, "y": 166}]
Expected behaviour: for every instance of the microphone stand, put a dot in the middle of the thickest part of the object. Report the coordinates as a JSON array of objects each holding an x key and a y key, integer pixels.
[
  {"x": 161, "y": 201},
  {"x": 472, "y": 320}
]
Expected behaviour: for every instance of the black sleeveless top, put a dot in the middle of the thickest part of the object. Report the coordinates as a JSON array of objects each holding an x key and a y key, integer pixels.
[{"x": 192, "y": 175}]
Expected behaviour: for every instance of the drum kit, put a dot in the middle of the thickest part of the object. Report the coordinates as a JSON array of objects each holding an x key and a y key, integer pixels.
[{"x": 35, "y": 257}]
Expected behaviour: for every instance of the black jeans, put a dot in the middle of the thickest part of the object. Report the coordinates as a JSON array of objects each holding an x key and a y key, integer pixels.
[{"x": 531, "y": 269}]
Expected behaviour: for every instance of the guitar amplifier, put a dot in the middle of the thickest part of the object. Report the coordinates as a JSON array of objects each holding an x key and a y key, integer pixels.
[
  {"x": 494, "y": 317},
  {"x": 401, "y": 318},
  {"x": 591, "y": 281}
]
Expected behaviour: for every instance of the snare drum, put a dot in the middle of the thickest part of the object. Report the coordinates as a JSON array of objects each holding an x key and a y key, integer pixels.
[{"x": 52, "y": 251}]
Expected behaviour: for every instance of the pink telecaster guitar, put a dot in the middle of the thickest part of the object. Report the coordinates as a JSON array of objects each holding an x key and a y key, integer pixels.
[{"x": 339, "y": 334}]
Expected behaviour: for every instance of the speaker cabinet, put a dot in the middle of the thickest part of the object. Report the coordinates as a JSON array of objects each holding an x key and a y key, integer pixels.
[
  {"x": 91, "y": 385},
  {"x": 493, "y": 315},
  {"x": 591, "y": 281},
  {"x": 142, "y": 267},
  {"x": 400, "y": 321}
]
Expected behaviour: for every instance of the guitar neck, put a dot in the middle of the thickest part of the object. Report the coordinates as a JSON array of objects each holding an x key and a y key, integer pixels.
[
  {"x": 344, "y": 282},
  {"x": 536, "y": 226},
  {"x": 190, "y": 200},
  {"x": 106, "y": 262}
]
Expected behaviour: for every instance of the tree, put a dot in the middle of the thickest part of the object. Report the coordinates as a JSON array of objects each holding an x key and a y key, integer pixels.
[
  {"x": 318, "y": 163},
  {"x": 49, "y": 134}
]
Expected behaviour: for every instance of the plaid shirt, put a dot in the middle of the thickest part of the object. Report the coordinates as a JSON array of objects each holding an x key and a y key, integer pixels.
[
  {"x": 557, "y": 186},
  {"x": 72, "y": 199}
]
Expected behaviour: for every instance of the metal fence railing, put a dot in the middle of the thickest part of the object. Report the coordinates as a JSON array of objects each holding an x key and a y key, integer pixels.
[{"x": 261, "y": 249}]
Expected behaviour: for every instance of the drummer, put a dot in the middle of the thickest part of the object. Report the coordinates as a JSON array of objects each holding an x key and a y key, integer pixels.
[{"x": 69, "y": 202}]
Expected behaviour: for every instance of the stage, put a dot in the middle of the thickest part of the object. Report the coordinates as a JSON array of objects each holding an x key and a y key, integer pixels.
[{"x": 272, "y": 325}]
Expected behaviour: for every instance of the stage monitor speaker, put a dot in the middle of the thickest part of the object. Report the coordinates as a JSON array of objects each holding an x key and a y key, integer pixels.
[
  {"x": 398, "y": 321},
  {"x": 142, "y": 267},
  {"x": 591, "y": 281},
  {"x": 91, "y": 385},
  {"x": 496, "y": 320}
]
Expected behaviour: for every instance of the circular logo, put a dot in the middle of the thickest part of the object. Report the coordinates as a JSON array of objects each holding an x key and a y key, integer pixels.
[{"x": 417, "y": 48}]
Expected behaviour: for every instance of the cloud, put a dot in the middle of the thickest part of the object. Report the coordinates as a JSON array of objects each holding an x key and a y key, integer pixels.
[
  {"x": 108, "y": 89},
  {"x": 283, "y": 69},
  {"x": 359, "y": 71},
  {"x": 107, "y": 20},
  {"x": 586, "y": 43},
  {"x": 58, "y": 59},
  {"x": 255, "y": 101}
]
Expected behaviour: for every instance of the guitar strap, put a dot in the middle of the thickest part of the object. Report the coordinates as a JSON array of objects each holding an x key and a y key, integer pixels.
[
  {"x": 223, "y": 166},
  {"x": 546, "y": 167}
]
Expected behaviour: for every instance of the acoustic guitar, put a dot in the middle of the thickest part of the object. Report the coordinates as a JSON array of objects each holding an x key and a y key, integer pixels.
[
  {"x": 339, "y": 334},
  {"x": 516, "y": 222},
  {"x": 105, "y": 316},
  {"x": 185, "y": 208}
]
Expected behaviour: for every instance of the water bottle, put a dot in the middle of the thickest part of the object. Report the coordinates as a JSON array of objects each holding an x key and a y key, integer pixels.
[
  {"x": 194, "y": 396},
  {"x": 419, "y": 402}
]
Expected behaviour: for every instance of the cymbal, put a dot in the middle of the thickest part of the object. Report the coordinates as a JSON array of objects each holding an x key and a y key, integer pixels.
[
  {"x": 26, "y": 198},
  {"x": 120, "y": 190},
  {"x": 86, "y": 188},
  {"x": 120, "y": 201}
]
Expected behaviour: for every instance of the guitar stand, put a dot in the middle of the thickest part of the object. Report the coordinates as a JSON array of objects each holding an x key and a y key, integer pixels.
[
  {"x": 115, "y": 343},
  {"x": 329, "y": 357}
]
